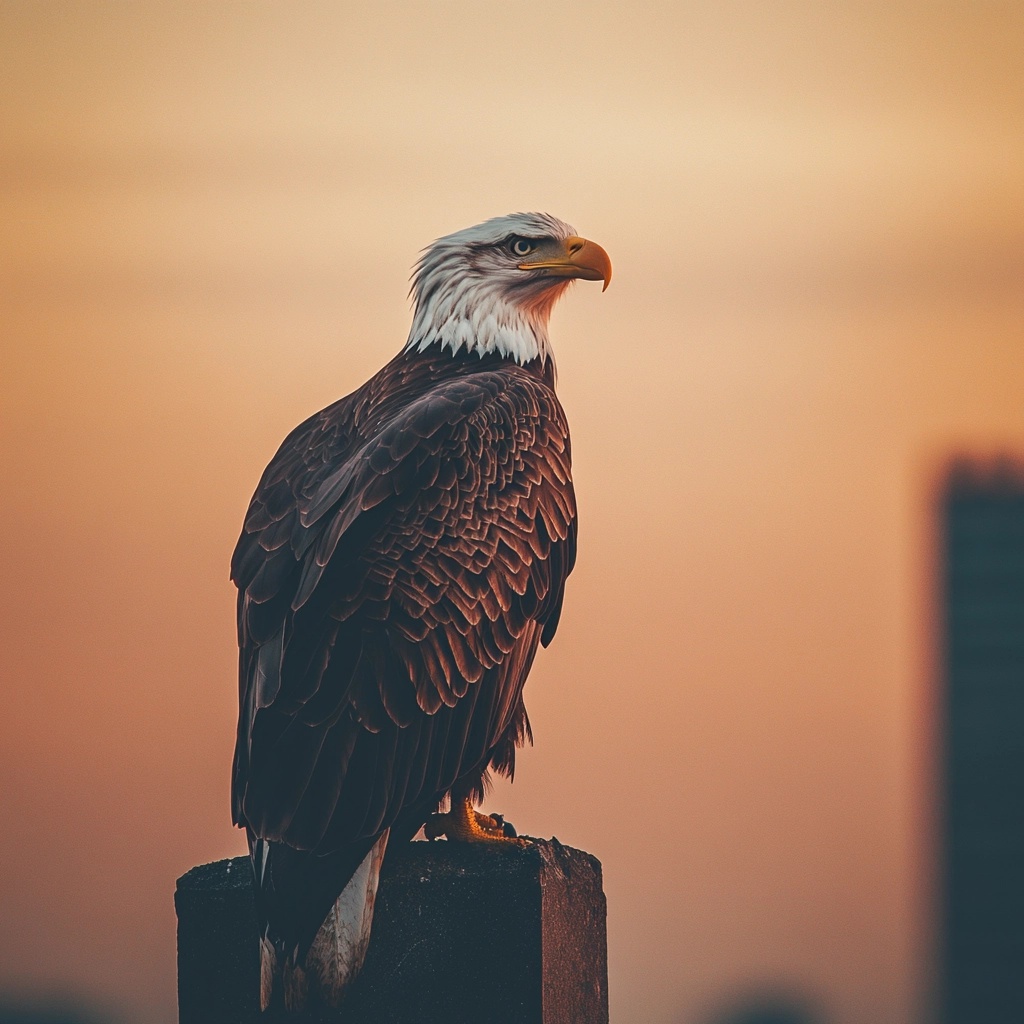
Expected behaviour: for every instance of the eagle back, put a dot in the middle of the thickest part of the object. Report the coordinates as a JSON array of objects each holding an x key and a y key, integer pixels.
[{"x": 404, "y": 553}]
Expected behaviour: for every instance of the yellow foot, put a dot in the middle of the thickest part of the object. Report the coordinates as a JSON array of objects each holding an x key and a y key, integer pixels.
[{"x": 464, "y": 825}]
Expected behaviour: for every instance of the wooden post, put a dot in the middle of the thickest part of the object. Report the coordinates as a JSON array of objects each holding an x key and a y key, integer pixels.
[{"x": 462, "y": 934}]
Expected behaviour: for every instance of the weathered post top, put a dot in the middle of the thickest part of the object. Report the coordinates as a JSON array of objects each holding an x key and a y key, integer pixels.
[{"x": 462, "y": 933}]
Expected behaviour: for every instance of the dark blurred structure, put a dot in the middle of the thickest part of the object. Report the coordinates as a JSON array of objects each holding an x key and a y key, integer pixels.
[
  {"x": 767, "y": 1008},
  {"x": 982, "y": 966},
  {"x": 44, "y": 1011}
]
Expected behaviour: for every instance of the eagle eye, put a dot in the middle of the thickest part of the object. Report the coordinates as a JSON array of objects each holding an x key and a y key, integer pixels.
[{"x": 520, "y": 246}]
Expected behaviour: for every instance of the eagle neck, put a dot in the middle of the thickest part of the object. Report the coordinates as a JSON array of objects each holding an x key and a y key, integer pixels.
[{"x": 476, "y": 317}]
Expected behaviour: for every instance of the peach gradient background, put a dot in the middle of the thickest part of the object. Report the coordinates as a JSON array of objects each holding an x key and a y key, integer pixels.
[{"x": 816, "y": 216}]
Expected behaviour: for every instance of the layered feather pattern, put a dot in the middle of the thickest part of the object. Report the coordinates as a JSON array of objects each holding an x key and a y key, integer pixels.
[{"x": 403, "y": 556}]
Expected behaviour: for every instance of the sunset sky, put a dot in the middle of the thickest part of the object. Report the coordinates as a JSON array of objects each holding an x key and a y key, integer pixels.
[{"x": 815, "y": 212}]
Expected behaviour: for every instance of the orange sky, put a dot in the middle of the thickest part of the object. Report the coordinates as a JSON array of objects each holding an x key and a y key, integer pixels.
[{"x": 816, "y": 217}]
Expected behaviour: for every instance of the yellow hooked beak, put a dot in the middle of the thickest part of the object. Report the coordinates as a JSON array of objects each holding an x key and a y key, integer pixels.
[{"x": 581, "y": 258}]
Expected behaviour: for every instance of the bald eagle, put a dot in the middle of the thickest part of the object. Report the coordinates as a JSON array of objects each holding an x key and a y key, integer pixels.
[{"x": 404, "y": 554}]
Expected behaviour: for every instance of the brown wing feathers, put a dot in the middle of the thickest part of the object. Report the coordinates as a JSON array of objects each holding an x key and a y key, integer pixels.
[{"x": 402, "y": 558}]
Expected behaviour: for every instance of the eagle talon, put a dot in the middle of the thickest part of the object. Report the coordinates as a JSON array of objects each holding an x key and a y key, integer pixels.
[
  {"x": 506, "y": 828},
  {"x": 463, "y": 824}
]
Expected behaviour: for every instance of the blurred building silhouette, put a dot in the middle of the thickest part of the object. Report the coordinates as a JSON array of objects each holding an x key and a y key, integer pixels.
[
  {"x": 767, "y": 1008},
  {"x": 769, "y": 1013},
  {"x": 982, "y": 968},
  {"x": 27, "y": 1010}
]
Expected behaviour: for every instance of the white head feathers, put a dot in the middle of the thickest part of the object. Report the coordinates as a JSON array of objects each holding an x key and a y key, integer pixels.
[{"x": 472, "y": 293}]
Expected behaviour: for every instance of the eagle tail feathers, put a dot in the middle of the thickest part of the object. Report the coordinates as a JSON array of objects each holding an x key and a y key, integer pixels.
[{"x": 336, "y": 956}]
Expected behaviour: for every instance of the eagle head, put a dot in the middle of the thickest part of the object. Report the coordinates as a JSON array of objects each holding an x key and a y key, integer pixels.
[{"x": 491, "y": 288}]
